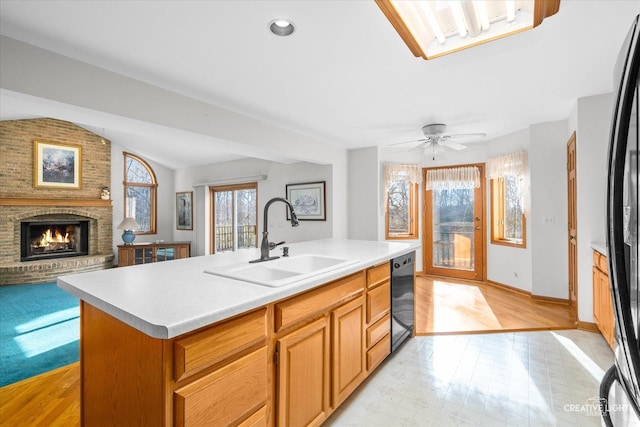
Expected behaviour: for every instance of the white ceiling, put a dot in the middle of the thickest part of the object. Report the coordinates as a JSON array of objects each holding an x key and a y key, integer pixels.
[{"x": 344, "y": 77}]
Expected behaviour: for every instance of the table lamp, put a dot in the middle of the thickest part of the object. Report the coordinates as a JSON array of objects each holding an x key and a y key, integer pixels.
[{"x": 128, "y": 225}]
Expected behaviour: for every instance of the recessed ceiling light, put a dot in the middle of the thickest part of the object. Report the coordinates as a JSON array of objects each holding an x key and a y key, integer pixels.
[{"x": 282, "y": 27}]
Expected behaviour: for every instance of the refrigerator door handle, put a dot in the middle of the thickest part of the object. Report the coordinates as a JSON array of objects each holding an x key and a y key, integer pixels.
[{"x": 605, "y": 386}]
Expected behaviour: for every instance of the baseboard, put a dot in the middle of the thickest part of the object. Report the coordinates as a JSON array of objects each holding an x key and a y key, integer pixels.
[
  {"x": 552, "y": 300},
  {"x": 588, "y": 326},
  {"x": 509, "y": 288}
]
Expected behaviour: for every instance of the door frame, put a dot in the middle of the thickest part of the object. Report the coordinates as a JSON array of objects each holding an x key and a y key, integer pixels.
[{"x": 426, "y": 211}]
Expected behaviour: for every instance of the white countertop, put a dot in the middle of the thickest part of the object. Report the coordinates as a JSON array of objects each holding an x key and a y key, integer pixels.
[
  {"x": 600, "y": 247},
  {"x": 167, "y": 299}
]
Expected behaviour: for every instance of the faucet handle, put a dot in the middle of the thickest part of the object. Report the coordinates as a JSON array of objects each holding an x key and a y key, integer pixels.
[{"x": 273, "y": 245}]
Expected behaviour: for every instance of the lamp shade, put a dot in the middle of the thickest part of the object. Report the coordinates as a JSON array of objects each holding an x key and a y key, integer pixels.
[{"x": 128, "y": 224}]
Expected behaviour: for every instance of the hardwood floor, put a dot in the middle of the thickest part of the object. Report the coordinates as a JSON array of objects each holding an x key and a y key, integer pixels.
[
  {"x": 442, "y": 307},
  {"x": 446, "y": 306},
  {"x": 49, "y": 399}
]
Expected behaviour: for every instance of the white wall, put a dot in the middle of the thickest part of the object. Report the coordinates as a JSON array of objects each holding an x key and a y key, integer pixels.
[
  {"x": 165, "y": 193},
  {"x": 548, "y": 223},
  {"x": 278, "y": 176},
  {"x": 505, "y": 264},
  {"x": 364, "y": 195},
  {"x": 592, "y": 118}
]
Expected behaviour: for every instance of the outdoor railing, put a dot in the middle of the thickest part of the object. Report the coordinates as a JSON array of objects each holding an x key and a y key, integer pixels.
[
  {"x": 453, "y": 246},
  {"x": 224, "y": 237}
]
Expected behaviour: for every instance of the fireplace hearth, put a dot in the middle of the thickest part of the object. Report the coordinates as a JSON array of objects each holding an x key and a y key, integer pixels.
[{"x": 54, "y": 238}]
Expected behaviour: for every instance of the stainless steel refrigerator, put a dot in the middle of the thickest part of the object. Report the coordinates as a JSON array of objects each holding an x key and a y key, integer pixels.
[{"x": 620, "y": 387}]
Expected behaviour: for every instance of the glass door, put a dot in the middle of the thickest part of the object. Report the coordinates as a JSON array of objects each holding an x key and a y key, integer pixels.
[
  {"x": 453, "y": 238},
  {"x": 234, "y": 217}
]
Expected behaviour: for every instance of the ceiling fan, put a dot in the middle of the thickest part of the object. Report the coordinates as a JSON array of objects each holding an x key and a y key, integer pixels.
[{"x": 434, "y": 136}]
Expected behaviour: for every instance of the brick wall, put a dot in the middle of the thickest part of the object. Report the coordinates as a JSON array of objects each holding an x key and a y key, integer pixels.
[
  {"x": 17, "y": 181},
  {"x": 16, "y": 152}
]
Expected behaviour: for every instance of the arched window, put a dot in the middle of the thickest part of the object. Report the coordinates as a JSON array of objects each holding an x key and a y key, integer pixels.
[{"x": 140, "y": 193}]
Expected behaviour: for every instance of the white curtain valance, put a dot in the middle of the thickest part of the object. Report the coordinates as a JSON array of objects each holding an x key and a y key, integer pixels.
[
  {"x": 395, "y": 171},
  {"x": 514, "y": 164},
  {"x": 467, "y": 177}
]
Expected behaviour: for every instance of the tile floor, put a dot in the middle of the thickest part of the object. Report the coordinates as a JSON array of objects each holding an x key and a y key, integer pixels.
[{"x": 506, "y": 379}]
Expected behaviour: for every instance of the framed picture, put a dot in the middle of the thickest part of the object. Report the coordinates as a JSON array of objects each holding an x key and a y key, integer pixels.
[
  {"x": 308, "y": 200},
  {"x": 184, "y": 210},
  {"x": 57, "y": 165}
]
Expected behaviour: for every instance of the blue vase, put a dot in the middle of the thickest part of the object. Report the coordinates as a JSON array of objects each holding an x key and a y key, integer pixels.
[{"x": 128, "y": 237}]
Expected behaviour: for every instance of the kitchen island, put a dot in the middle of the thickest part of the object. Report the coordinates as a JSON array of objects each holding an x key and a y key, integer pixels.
[{"x": 168, "y": 344}]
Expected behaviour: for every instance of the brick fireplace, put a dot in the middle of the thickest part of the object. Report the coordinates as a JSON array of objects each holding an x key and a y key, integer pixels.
[{"x": 83, "y": 221}]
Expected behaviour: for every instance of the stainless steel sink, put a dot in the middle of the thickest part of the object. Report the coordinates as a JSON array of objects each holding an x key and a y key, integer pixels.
[{"x": 282, "y": 271}]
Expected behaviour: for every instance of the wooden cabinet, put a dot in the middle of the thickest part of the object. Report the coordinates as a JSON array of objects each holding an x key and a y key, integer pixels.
[
  {"x": 217, "y": 374},
  {"x": 378, "y": 325},
  {"x": 144, "y": 253},
  {"x": 289, "y": 363},
  {"x": 602, "y": 304},
  {"x": 321, "y": 362}
]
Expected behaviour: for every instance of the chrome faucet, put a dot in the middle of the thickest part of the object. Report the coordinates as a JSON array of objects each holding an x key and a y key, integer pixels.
[{"x": 266, "y": 246}]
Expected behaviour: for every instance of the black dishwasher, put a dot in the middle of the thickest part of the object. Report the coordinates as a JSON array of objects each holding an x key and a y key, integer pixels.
[{"x": 402, "y": 298}]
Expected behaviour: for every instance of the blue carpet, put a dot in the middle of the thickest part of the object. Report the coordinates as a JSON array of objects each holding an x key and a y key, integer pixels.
[{"x": 39, "y": 330}]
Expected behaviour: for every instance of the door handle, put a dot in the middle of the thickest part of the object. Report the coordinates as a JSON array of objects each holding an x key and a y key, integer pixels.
[{"x": 477, "y": 227}]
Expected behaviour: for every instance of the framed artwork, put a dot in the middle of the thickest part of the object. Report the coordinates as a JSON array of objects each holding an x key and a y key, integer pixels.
[
  {"x": 57, "y": 165},
  {"x": 308, "y": 200},
  {"x": 184, "y": 210}
]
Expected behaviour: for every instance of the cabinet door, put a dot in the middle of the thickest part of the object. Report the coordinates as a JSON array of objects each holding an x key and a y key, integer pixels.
[
  {"x": 303, "y": 375},
  {"x": 606, "y": 308},
  {"x": 125, "y": 256},
  {"x": 596, "y": 295},
  {"x": 143, "y": 255},
  {"x": 182, "y": 251},
  {"x": 348, "y": 349},
  {"x": 165, "y": 253}
]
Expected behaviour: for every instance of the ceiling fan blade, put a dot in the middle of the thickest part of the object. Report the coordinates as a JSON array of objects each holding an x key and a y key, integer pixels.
[
  {"x": 412, "y": 141},
  {"x": 422, "y": 146},
  {"x": 466, "y": 135},
  {"x": 453, "y": 145}
]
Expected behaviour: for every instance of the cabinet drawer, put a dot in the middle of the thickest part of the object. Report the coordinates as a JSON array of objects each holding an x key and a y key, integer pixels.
[
  {"x": 378, "y": 274},
  {"x": 604, "y": 264},
  {"x": 226, "y": 395},
  {"x": 297, "y": 308},
  {"x": 379, "y": 352},
  {"x": 601, "y": 262},
  {"x": 378, "y": 330},
  {"x": 205, "y": 348},
  {"x": 378, "y": 302},
  {"x": 257, "y": 419}
]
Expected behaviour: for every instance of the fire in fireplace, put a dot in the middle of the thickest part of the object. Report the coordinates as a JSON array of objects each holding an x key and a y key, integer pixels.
[{"x": 53, "y": 239}]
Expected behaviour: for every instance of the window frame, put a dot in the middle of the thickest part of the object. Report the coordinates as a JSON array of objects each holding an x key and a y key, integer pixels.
[
  {"x": 212, "y": 201},
  {"x": 153, "y": 190},
  {"x": 497, "y": 217},
  {"x": 412, "y": 233}
]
